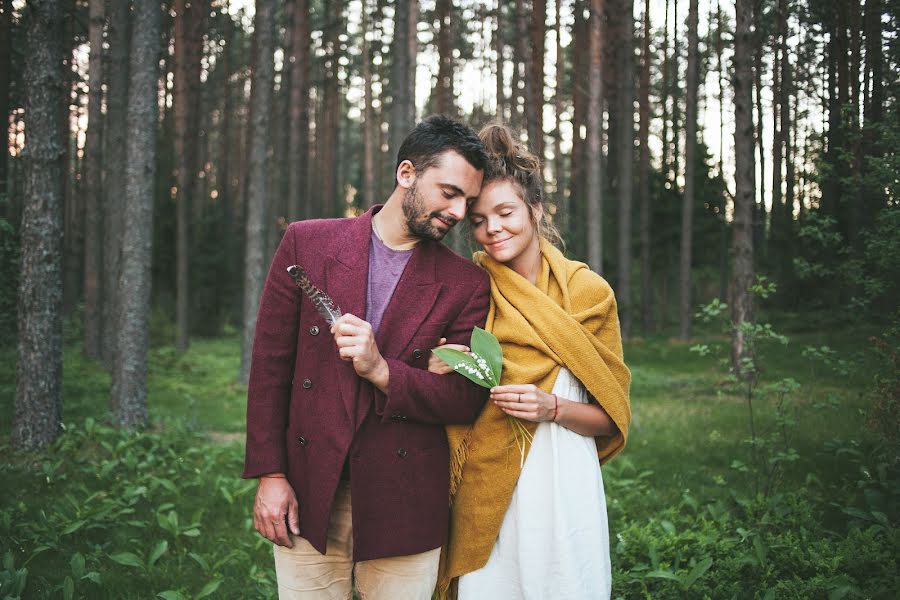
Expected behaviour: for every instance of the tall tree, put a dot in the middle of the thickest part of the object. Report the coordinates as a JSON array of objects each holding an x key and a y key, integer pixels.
[
  {"x": 688, "y": 200},
  {"x": 39, "y": 367},
  {"x": 298, "y": 143},
  {"x": 578, "y": 171},
  {"x": 535, "y": 80},
  {"x": 369, "y": 125},
  {"x": 625, "y": 160},
  {"x": 644, "y": 177},
  {"x": 593, "y": 156},
  {"x": 443, "y": 88},
  {"x": 114, "y": 163},
  {"x": 6, "y": 9},
  {"x": 263, "y": 74},
  {"x": 562, "y": 202},
  {"x": 497, "y": 39},
  {"x": 93, "y": 161},
  {"x": 744, "y": 197},
  {"x": 403, "y": 74},
  {"x": 328, "y": 127},
  {"x": 189, "y": 19},
  {"x": 128, "y": 394}
]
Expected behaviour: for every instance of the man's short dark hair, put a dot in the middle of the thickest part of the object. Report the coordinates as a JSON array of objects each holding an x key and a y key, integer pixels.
[{"x": 437, "y": 134}]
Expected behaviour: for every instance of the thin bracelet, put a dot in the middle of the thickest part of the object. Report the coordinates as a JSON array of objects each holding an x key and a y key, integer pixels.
[{"x": 555, "y": 407}]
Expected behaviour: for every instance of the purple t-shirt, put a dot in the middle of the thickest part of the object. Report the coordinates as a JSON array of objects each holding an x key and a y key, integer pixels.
[{"x": 385, "y": 268}]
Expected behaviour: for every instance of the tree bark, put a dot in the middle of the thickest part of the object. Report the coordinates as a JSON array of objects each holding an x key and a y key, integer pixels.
[
  {"x": 577, "y": 203},
  {"x": 625, "y": 143},
  {"x": 93, "y": 161},
  {"x": 498, "y": 44},
  {"x": 665, "y": 97},
  {"x": 369, "y": 125},
  {"x": 6, "y": 9},
  {"x": 331, "y": 111},
  {"x": 189, "y": 19},
  {"x": 744, "y": 198},
  {"x": 128, "y": 397},
  {"x": 535, "y": 82},
  {"x": 114, "y": 192},
  {"x": 403, "y": 83},
  {"x": 593, "y": 159},
  {"x": 39, "y": 367},
  {"x": 443, "y": 89},
  {"x": 263, "y": 74},
  {"x": 298, "y": 145},
  {"x": 644, "y": 178},
  {"x": 690, "y": 158},
  {"x": 562, "y": 203}
]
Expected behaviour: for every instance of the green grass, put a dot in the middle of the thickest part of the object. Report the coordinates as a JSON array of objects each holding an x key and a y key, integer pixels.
[{"x": 86, "y": 516}]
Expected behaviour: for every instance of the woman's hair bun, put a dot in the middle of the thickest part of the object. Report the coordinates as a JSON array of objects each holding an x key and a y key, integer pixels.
[{"x": 507, "y": 156}]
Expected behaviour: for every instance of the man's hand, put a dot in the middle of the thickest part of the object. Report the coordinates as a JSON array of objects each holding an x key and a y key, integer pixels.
[
  {"x": 436, "y": 365},
  {"x": 276, "y": 508},
  {"x": 356, "y": 342}
]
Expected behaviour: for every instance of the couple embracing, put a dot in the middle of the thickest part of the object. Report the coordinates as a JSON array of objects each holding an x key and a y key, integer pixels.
[{"x": 354, "y": 429}]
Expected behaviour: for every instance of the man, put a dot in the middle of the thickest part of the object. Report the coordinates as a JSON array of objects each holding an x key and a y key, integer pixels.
[{"x": 345, "y": 431}]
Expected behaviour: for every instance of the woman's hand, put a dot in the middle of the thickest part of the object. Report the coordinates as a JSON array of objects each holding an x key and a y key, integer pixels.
[
  {"x": 436, "y": 365},
  {"x": 524, "y": 401}
]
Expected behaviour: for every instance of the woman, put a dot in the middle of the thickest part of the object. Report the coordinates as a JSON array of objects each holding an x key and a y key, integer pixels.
[{"x": 535, "y": 528}]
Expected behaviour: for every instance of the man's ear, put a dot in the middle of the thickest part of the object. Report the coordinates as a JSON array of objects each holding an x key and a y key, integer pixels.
[{"x": 406, "y": 174}]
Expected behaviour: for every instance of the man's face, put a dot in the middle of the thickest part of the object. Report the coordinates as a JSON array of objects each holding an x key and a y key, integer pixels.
[{"x": 437, "y": 198}]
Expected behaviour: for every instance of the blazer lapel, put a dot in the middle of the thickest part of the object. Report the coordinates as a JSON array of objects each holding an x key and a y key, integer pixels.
[{"x": 347, "y": 276}]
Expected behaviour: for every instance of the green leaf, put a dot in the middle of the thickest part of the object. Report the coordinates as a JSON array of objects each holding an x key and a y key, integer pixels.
[
  {"x": 170, "y": 595},
  {"x": 128, "y": 559},
  {"x": 73, "y": 527},
  {"x": 68, "y": 588},
  {"x": 485, "y": 345},
  {"x": 199, "y": 560},
  {"x": 455, "y": 357},
  {"x": 209, "y": 588},
  {"x": 77, "y": 564},
  {"x": 157, "y": 551},
  {"x": 191, "y": 533},
  {"x": 93, "y": 576},
  {"x": 663, "y": 575},
  {"x": 760, "y": 550},
  {"x": 697, "y": 572}
]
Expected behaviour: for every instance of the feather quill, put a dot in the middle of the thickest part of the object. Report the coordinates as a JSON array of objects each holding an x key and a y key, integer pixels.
[{"x": 322, "y": 301}]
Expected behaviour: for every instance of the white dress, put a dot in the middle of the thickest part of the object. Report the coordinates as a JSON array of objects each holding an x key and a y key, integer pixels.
[{"x": 554, "y": 540}]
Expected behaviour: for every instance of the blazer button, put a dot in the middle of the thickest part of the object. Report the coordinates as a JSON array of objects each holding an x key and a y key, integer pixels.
[
  {"x": 314, "y": 330},
  {"x": 306, "y": 384},
  {"x": 401, "y": 452},
  {"x": 303, "y": 441},
  {"x": 417, "y": 354}
]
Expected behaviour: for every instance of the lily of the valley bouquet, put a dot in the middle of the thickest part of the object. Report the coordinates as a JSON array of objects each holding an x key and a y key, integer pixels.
[{"x": 484, "y": 365}]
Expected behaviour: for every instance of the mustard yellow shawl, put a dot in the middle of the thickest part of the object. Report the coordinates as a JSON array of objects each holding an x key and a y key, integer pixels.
[{"x": 567, "y": 318}]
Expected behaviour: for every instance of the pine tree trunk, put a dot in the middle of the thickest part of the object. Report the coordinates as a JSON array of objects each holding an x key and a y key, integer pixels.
[
  {"x": 625, "y": 157},
  {"x": 119, "y": 37},
  {"x": 298, "y": 145},
  {"x": 39, "y": 367},
  {"x": 536, "y": 78},
  {"x": 402, "y": 84},
  {"x": 93, "y": 161},
  {"x": 443, "y": 89},
  {"x": 519, "y": 114},
  {"x": 6, "y": 9},
  {"x": 593, "y": 158},
  {"x": 676, "y": 97},
  {"x": 562, "y": 203},
  {"x": 263, "y": 73},
  {"x": 497, "y": 39},
  {"x": 369, "y": 125},
  {"x": 329, "y": 159},
  {"x": 723, "y": 226},
  {"x": 128, "y": 396},
  {"x": 577, "y": 201},
  {"x": 187, "y": 80},
  {"x": 665, "y": 97},
  {"x": 690, "y": 151},
  {"x": 644, "y": 179},
  {"x": 744, "y": 198}
]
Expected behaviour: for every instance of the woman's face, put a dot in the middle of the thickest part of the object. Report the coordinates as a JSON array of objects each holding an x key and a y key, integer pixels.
[{"x": 502, "y": 222}]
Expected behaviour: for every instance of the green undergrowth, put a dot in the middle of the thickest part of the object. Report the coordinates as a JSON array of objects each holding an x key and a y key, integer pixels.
[{"x": 163, "y": 513}]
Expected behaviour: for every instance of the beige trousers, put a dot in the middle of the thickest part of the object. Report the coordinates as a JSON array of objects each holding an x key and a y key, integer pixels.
[{"x": 304, "y": 574}]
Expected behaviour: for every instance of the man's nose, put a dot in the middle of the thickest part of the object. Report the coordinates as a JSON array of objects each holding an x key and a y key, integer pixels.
[{"x": 458, "y": 209}]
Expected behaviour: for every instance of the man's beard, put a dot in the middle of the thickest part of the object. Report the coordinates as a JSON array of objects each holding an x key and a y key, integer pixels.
[{"x": 418, "y": 221}]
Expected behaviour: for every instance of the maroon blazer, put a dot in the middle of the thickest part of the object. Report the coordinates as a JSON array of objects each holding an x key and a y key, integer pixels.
[{"x": 308, "y": 410}]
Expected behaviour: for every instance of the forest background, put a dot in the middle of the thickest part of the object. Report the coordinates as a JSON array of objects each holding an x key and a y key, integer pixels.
[{"x": 729, "y": 166}]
